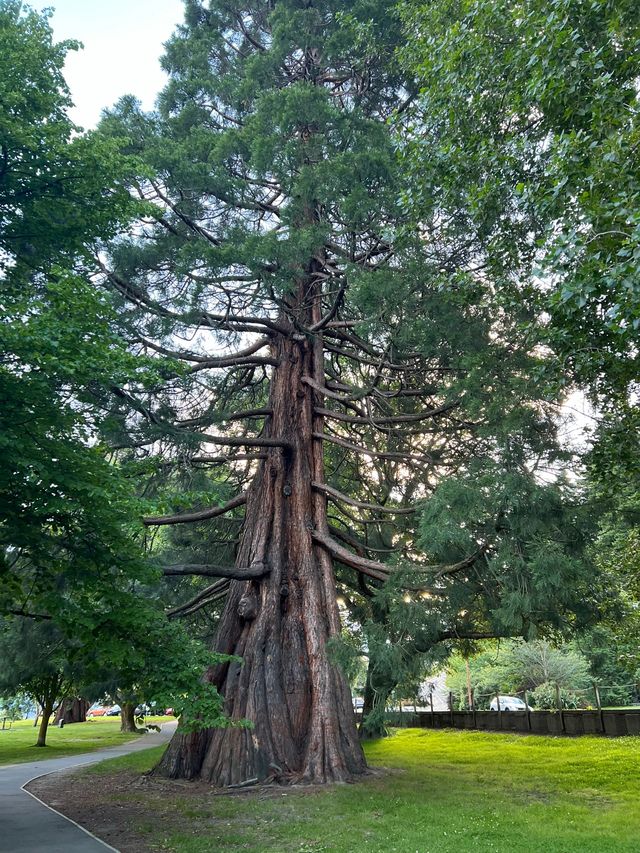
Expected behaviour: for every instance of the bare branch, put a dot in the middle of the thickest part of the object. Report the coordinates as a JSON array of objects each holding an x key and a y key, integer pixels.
[
  {"x": 388, "y": 421},
  {"x": 377, "y": 454},
  {"x": 241, "y": 573},
  {"x": 326, "y": 392},
  {"x": 356, "y": 543},
  {"x": 342, "y": 498},
  {"x": 200, "y": 515},
  {"x": 246, "y": 441},
  {"x": 371, "y": 568},
  {"x": 206, "y": 596}
]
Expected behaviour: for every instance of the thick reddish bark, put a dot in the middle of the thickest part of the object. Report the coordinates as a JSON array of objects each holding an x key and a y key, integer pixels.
[
  {"x": 299, "y": 703},
  {"x": 72, "y": 710}
]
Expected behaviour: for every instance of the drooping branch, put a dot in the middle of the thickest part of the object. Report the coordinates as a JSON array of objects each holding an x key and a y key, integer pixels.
[
  {"x": 242, "y": 573},
  {"x": 206, "y": 596},
  {"x": 371, "y": 568},
  {"x": 350, "y": 402},
  {"x": 38, "y": 617},
  {"x": 222, "y": 460},
  {"x": 365, "y": 451},
  {"x": 454, "y": 568},
  {"x": 207, "y": 420},
  {"x": 246, "y": 441},
  {"x": 238, "y": 357},
  {"x": 342, "y": 498},
  {"x": 348, "y": 539},
  {"x": 388, "y": 421},
  {"x": 463, "y": 634},
  {"x": 200, "y": 515}
]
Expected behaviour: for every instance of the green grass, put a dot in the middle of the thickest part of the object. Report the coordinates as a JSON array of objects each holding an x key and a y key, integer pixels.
[
  {"x": 444, "y": 792},
  {"x": 17, "y": 743}
]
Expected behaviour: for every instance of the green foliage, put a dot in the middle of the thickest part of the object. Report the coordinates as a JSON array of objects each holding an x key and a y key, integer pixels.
[
  {"x": 532, "y": 539},
  {"x": 36, "y": 659},
  {"x": 15, "y": 707},
  {"x": 545, "y": 697},
  {"x": 524, "y": 136},
  {"x": 57, "y": 189},
  {"x": 512, "y": 667}
]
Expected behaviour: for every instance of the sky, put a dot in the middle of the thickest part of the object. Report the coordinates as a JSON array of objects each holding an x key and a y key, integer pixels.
[{"x": 123, "y": 42}]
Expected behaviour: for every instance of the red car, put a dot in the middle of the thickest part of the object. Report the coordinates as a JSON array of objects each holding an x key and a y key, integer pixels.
[{"x": 98, "y": 711}]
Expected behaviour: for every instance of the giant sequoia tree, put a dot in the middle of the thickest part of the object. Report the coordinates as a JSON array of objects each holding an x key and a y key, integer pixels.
[{"x": 328, "y": 362}]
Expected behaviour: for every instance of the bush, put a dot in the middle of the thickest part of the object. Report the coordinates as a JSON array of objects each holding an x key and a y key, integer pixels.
[{"x": 544, "y": 697}]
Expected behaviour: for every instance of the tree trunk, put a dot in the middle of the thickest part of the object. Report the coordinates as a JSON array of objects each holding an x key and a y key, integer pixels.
[
  {"x": 72, "y": 711},
  {"x": 376, "y": 695},
  {"x": 128, "y": 718},
  {"x": 299, "y": 704},
  {"x": 47, "y": 710}
]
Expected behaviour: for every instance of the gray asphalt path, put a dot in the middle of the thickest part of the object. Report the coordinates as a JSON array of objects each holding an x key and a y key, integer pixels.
[{"x": 28, "y": 826}]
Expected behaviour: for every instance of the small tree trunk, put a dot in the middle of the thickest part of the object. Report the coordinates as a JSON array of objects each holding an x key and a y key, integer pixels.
[
  {"x": 128, "y": 718},
  {"x": 47, "y": 710},
  {"x": 372, "y": 726}
]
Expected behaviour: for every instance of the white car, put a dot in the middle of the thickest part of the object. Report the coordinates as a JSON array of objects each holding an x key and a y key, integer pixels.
[{"x": 509, "y": 703}]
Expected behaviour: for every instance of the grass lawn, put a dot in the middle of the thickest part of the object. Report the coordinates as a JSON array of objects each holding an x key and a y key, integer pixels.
[
  {"x": 444, "y": 792},
  {"x": 17, "y": 743}
]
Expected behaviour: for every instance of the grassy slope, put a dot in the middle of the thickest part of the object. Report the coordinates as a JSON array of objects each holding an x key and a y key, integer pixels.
[
  {"x": 17, "y": 743},
  {"x": 446, "y": 792}
]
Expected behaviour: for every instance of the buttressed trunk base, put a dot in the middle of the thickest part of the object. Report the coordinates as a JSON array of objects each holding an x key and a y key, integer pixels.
[{"x": 298, "y": 703}]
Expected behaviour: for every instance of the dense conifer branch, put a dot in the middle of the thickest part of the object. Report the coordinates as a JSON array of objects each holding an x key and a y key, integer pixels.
[{"x": 200, "y": 515}]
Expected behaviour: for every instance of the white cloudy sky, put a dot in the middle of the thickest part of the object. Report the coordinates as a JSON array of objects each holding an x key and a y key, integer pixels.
[{"x": 122, "y": 46}]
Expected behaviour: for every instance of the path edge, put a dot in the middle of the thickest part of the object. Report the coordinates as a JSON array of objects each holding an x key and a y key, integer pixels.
[{"x": 23, "y": 788}]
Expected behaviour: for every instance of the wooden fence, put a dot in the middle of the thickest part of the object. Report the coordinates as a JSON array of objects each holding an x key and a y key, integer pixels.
[{"x": 613, "y": 723}]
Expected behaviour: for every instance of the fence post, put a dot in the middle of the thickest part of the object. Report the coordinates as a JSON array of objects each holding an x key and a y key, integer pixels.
[
  {"x": 599, "y": 705},
  {"x": 473, "y": 707},
  {"x": 528, "y": 712},
  {"x": 451, "y": 708},
  {"x": 433, "y": 722},
  {"x": 499, "y": 711},
  {"x": 559, "y": 707}
]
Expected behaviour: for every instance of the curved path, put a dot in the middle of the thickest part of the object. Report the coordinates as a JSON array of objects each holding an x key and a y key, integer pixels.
[{"x": 29, "y": 826}]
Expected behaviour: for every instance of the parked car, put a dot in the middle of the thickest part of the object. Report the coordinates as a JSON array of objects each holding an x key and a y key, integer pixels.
[
  {"x": 98, "y": 710},
  {"x": 358, "y": 703},
  {"x": 114, "y": 711},
  {"x": 509, "y": 703}
]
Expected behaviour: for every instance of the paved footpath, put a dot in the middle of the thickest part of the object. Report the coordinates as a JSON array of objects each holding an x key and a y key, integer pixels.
[{"x": 28, "y": 826}]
